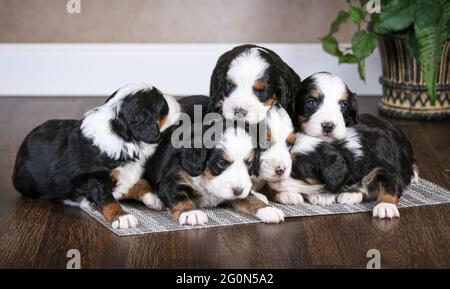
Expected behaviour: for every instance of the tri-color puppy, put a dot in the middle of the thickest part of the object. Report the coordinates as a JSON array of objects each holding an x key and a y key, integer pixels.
[
  {"x": 189, "y": 179},
  {"x": 99, "y": 158},
  {"x": 248, "y": 80},
  {"x": 324, "y": 107}
]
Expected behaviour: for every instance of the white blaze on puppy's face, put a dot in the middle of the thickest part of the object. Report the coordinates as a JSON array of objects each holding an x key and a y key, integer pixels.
[
  {"x": 329, "y": 112},
  {"x": 174, "y": 112},
  {"x": 237, "y": 146},
  {"x": 242, "y": 102},
  {"x": 275, "y": 162}
]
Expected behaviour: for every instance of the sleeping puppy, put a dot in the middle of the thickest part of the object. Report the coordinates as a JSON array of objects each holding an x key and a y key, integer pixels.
[
  {"x": 248, "y": 80},
  {"x": 373, "y": 161},
  {"x": 324, "y": 107},
  {"x": 189, "y": 179},
  {"x": 99, "y": 158}
]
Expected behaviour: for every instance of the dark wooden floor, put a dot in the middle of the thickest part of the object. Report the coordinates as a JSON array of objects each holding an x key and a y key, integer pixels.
[{"x": 38, "y": 234}]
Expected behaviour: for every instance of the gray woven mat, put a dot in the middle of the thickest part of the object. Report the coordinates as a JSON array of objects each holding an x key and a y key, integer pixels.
[{"x": 421, "y": 194}]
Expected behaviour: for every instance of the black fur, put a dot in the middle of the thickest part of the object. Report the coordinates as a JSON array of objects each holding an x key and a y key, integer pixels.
[
  {"x": 57, "y": 162},
  {"x": 281, "y": 79},
  {"x": 383, "y": 145}
]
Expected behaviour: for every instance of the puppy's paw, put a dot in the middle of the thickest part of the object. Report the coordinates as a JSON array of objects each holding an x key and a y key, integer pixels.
[
  {"x": 322, "y": 199},
  {"x": 153, "y": 202},
  {"x": 350, "y": 198},
  {"x": 125, "y": 222},
  {"x": 261, "y": 197},
  {"x": 193, "y": 217},
  {"x": 289, "y": 198},
  {"x": 386, "y": 210},
  {"x": 270, "y": 215}
]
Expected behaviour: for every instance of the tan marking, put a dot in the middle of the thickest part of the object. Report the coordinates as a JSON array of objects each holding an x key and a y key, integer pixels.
[
  {"x": 302, "y": 123},
  {"x": 208, "y": 175},
  {"x": 315, "y": 93},
  {"x": 260, "y": 84},
  {"x": 269, "y": 135},
  {"x": 183, "y": 206},
  {"x": 138, "y": 190},
  {"x": 269, "y": 192},
  {"x": 250, "y": 156},
  {"x": 227, "y": 157},
  {"x": 312, "y": 181},
  {"x": 370, "y": 177},
  {"x": 115, "y": 176},
  {"x": 249, "y": 205},
  {"x": 185, "y": 179},
  {"x": 291, "y": 138},
  {"x": 112, "y": 211},
  {"x": 344, "y": 96},
  {"x": 161, "y": 121},
  {"x": 386, "y": 197}
]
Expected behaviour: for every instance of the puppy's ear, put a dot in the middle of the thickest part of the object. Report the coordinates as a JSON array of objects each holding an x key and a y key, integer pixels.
[
  {"x": 352, "y": 113},
  {"x": 193, "y": 160},
  {"x": 334, "y": 172},
  {"x": 137, "y": 125},
  {"x": 217, "y": 85}
]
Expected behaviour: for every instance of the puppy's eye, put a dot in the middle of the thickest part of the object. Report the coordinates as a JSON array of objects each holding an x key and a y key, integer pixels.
[
  {"x": 230, "y": 86},
  {"x": 343, "y": 105},
  {"x": 248, "y": 163},
  {"x": 311, "y": 102},
  {"x": 222, "y": 163}
]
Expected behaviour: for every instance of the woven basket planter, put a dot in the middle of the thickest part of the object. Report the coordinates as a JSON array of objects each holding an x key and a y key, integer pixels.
[{"x": 404, "y": 92}]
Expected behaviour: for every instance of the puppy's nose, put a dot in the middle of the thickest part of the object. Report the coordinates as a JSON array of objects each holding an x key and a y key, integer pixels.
[
  {"x": 328, "y": 126},
  {"x": 239, "y": 112},
  {"x": 237, "y": 191},
  {"x": 279, "y": 171}
]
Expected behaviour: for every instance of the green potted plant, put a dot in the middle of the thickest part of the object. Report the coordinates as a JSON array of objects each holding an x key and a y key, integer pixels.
[{"x": 413, "y": 40}]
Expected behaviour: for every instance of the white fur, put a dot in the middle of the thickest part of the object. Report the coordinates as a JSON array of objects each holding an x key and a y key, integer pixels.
[
  {"x": 289, "y": 198},
  {"x": 305, "y": 144},
  {"x": 322, "y": 199},
  {"x": 237, "y": 144},
  {"x": 353, "y": 143},
  {"x": 174, "y": 112},
  {"x": 296, "y": 186},
  {"x": 332, "y": 88},
  {"x": 415, "y": 177},
  {"x": 153, "y": 202},
  {"x": 243, "y": 72},
  {"x": 277, "y": 155},
  {"x": 386, "y": 210},
  {"x": 125, "y": 222},
  {"x": 270, "y": 215},
  {"x": 349, "y": 198},
  {"x": 193, "y": 217}
]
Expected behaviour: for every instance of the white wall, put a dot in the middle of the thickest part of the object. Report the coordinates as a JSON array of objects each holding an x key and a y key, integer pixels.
[{"x": 181, "y": 69}]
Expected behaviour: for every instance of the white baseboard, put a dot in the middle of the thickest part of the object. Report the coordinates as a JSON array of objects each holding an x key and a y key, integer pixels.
[{"x": 181, "y": 69}]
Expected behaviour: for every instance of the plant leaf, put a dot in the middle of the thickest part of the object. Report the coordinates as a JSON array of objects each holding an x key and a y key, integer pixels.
[
  {"x": 340, "y": 18},
  {"x": 330, "y": 45},
  {"x": 356, "y": 14},
  {"x": 428, "y": 13},
  {"x": 363, "y": 44},
  {"x": 397, "y": 15},
  {"x": 362, "y": 70},
  {"x": 431, "y": 40},
  {"x": 348, "y": 58},
  {"x": 412, "y": 44}
]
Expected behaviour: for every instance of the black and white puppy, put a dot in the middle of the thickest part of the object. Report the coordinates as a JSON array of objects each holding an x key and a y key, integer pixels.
[
  {"x": 189, "y": 179},
  {"x": 99, "y": 158},
  {"x": 248, "y": 80},
  {"x": 373, "y": 161},
  {"x": 324, "y": 107}
]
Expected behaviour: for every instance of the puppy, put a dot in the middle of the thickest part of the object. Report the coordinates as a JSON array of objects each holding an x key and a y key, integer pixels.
[
  {"x": 373, "y": 161},
  {"x": 99, "y": 158},
  {"x": 188, "y": 179},
  {"x": 324, "y": 107},
  {"x": 248, "y": 80}
]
